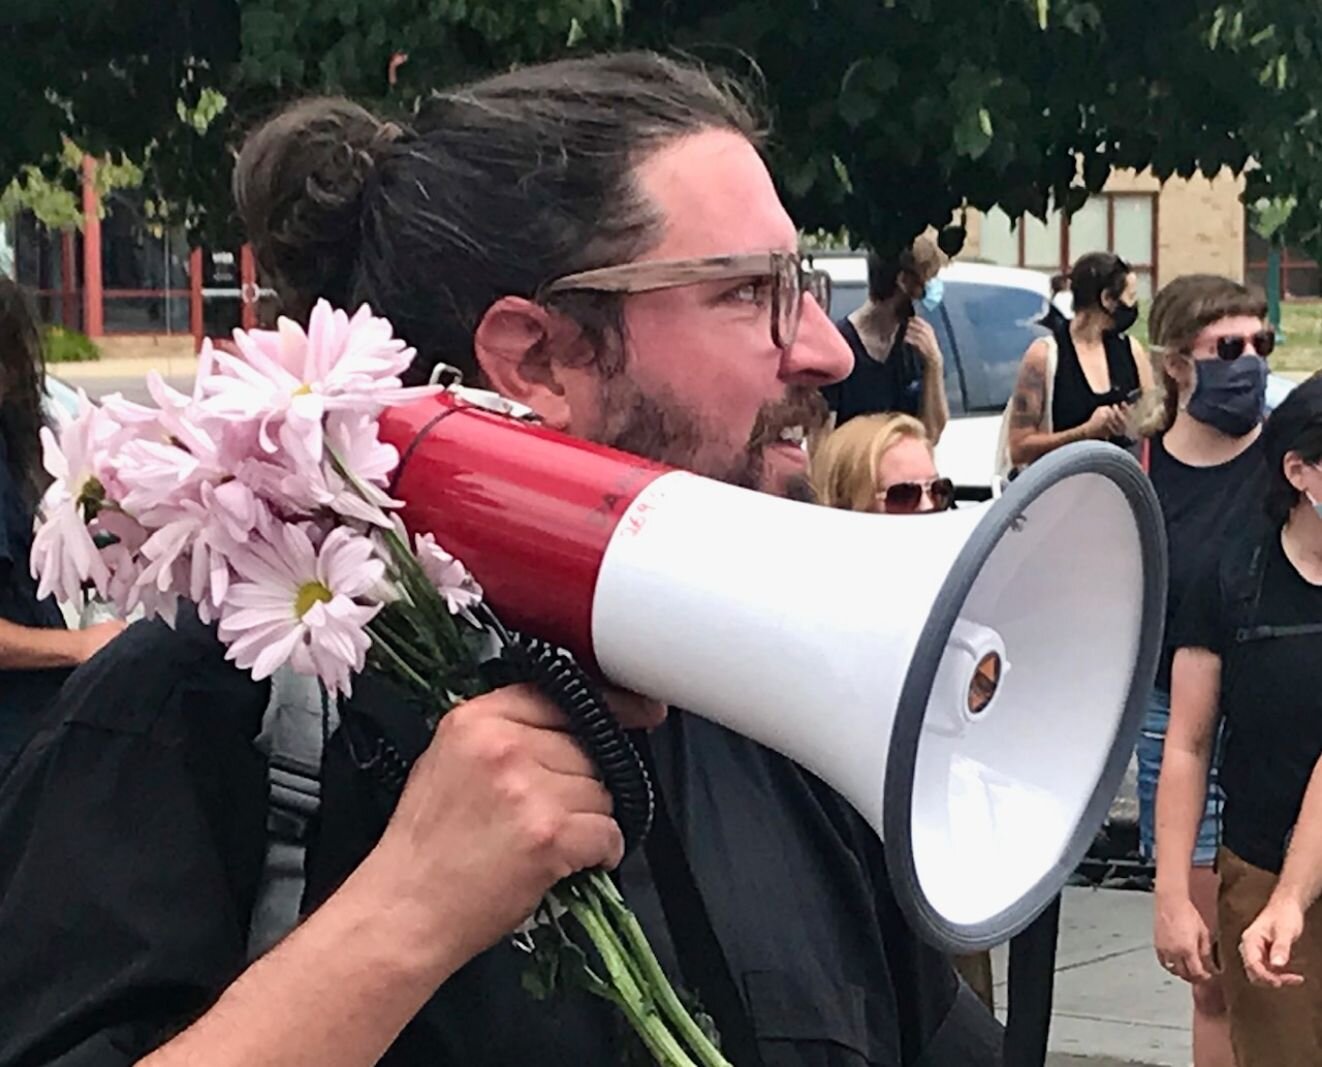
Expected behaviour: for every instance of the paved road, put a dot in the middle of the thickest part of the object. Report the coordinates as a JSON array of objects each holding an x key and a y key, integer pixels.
[{"x": 134, "y": 388}]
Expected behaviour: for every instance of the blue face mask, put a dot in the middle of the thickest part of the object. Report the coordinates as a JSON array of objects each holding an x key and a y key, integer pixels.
[
  {"x": 1229, "y": 394},
  {"x": 933, "y": 294}
]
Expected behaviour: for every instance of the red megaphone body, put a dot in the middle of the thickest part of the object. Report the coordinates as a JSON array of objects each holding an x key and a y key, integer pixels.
[
  {"x": 529, "y": 511},
  {"x": 927, "y": 667}
]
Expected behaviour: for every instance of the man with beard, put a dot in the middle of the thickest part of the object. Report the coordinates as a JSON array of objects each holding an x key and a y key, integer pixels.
[{"x": 599, "y": 241}]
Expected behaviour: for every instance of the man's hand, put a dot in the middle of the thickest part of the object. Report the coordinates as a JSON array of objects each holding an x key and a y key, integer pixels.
[
  {"x": 502, "y": 806},
  {"x": 1266, "y": 944},
  {"x": 91, "y": 639},
  {"x": 922, "y": 337}
]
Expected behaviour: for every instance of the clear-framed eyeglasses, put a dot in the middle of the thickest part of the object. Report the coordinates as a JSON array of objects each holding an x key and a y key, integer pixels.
[{"x": 791, "y": 277}]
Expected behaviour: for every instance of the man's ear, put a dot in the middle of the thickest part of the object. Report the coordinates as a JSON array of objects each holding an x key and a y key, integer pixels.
[{"x": 518, "y": 345}]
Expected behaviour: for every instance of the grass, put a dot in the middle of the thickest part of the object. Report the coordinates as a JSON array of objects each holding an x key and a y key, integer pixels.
[
  {"x": 69, "y": 346},
  {"x": 1299, "y": 344},
  {"x": 1299, "y": 353}
]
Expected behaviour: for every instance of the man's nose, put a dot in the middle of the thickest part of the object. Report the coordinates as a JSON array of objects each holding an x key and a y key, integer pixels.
[{"x": 819, "y": 354}]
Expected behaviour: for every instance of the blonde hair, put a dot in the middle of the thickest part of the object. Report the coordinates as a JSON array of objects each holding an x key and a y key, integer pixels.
[{"x": 844, "y": 466}]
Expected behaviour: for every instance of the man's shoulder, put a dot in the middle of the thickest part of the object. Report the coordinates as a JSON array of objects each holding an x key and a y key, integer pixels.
[{"x": 152, "y": 672}]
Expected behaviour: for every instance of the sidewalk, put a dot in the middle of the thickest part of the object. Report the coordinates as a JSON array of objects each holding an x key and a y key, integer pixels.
[
  {"x": 1114, "y": 1006},
  {"x": 133, "y": 357}
]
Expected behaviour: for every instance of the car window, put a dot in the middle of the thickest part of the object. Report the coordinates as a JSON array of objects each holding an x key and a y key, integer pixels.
[
  {"x": 992, "y": 325},
  {"x": 848, "y": 297}
]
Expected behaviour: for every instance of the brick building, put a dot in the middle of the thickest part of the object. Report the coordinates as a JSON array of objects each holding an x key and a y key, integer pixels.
[{"x": 1164, "y": 230}]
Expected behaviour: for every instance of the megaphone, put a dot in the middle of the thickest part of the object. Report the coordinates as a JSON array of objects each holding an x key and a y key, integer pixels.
[{"x": 972, "y": 682}]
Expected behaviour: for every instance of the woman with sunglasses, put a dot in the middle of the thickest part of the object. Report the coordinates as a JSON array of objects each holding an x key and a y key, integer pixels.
[
  {"x": 880, "y": 463},
  {"x": 1249, "y": 665},
  {"x": 1206, "y": 465}
]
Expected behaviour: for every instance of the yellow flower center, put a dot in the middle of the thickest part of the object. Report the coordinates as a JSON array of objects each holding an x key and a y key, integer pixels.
[
  {"x": 311, "y": 593},
  {"x": 303, "y": 390},
  {"x": 90, "y": 498}
]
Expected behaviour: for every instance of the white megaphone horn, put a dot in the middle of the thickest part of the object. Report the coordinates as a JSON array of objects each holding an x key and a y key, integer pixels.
[{"x": 971, "y": 681}]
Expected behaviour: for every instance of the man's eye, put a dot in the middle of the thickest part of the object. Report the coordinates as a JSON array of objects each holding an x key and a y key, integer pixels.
[{"x": 755, "y": 291}]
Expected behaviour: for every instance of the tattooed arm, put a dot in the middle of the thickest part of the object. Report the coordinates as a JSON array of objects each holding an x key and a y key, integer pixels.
[{"x": 1027, "y": 441}]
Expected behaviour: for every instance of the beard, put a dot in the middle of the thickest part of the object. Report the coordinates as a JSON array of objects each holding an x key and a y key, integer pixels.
[{"x": 661, "y": 428}]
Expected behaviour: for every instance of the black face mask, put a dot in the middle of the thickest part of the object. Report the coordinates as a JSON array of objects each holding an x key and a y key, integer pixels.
[
  {"x": 1123, "y": 317},
  {"x": 1229, "y": 395}
]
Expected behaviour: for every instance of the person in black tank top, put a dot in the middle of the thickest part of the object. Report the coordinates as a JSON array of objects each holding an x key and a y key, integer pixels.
[
  {"x": 1099, "y": 373},
  {"x": 1074, "y": 401}
]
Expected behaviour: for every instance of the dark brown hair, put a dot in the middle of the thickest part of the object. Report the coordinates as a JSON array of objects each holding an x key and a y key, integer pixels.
[
  {"x": 497, "y": 188},
  {"x": 922, "y": 259},
  {"x": 22, "y": 389},
  {"x": 1096, "y": 274},
  {"x": 1185, "y": 308},
  {"x": 1295, "y": 426}
]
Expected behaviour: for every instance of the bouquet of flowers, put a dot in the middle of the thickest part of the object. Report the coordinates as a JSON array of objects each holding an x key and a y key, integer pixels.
[{"x": 262, "y": 499}]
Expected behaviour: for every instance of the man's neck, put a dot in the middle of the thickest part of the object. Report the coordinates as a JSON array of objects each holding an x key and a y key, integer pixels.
[
  {"x": 877, "y": 323},
  {"x": 1199, "y": 445}
]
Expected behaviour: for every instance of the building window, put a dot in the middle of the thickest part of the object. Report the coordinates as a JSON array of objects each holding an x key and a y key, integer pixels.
[
  {"x": 1123, "y": 223},
  {"x": 145, "y": 269}
]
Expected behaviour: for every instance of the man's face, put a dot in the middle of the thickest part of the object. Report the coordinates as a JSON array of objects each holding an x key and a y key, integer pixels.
[{"x": 702, "y": 386}]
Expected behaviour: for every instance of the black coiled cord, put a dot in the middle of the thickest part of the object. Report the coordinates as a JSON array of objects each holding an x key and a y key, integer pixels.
[
  {"x": 558, "y": 677},
  {"x": 556, "y": 674}
]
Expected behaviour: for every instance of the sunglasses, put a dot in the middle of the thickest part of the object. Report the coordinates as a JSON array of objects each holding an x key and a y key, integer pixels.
[
  {"x": 1231, "y": 348},
  {"x": 906, "y": 498}
]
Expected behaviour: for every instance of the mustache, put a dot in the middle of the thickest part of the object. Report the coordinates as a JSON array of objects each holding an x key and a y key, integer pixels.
[{"x": 803, "y": 406}]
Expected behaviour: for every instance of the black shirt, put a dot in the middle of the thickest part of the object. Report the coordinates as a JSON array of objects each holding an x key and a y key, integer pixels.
[
  {"x": 22, "y": 693},
  {"x": 131, "y": 842},
  {"x": 1072, "y": 398},
  {"x": 1199, "y": 505},
  {"x": 892, "y": 384},
  {"x": 1271, "y": 691}
]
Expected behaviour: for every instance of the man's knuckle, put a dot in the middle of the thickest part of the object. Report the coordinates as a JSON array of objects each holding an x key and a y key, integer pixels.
[
  {"x": 543, "y": 830},
  {"x": 492, "y": 747}
]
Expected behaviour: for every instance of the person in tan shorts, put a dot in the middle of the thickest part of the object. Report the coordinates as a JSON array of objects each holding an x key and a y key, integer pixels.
[{"x": 1249, "y": 663}]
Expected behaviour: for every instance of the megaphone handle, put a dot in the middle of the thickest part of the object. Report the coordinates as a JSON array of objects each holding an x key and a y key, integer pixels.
[{"x": 559, "y": 678}]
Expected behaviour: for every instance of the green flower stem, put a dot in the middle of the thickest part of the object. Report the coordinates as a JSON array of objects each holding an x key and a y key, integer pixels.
[
  {"x": 636, "y": 945},
  {"x": 634, "y": 981},
  {"x": 384, "y": 645},
  {"x": 637, "y": 1005},
  {"x": 402, "y": 645}
]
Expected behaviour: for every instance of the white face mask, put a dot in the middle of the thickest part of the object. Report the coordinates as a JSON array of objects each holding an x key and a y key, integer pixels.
[{"x": 1316, "y": 506}]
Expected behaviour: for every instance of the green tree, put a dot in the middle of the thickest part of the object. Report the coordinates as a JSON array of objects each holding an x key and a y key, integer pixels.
[{"x": 887, "y": 115}]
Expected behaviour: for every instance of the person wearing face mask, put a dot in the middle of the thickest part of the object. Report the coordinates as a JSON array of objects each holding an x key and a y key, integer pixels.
[
  {"x": 898, "y": 364},
  {"x": 1249, "y": 660},
  {"x": 1207, "y": 468},
  {"x": 1081, "y": 383}
]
